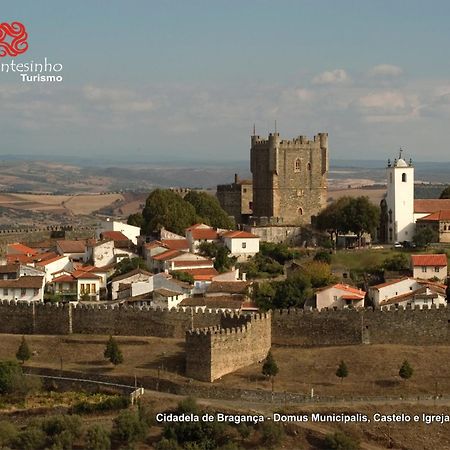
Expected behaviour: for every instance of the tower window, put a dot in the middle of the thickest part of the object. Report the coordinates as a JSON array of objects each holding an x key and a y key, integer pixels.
[
  {"x": 297, "y": 165},
  {"x": 308, "y": 166},
  {"x": 300, "y": 211},
  {"x": 404, "y": 177}
]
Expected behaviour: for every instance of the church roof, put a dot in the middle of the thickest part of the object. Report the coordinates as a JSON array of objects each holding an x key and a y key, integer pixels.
[
  {"x": 431, "y": 205},
  {"x": 437, "y": 216},
  {"x": 401, "y": 163}
]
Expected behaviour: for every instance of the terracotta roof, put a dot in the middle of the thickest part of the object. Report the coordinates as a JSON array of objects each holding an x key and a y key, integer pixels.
[
  {"x": 81, "y": 274},
  {"x": 166, "y": 292},
  {"x": 49, "y": 261},
  {"x": 344, "y": 287},
  {"x": 46, "y": 243},
  {"x": 131, "y": 273},
  {"x": 167, "y": 255},
  {"x": 230, "y": 287},
  {"x": 26, "y": 281},
  {"x": 9, "y": 268},
  {"x": 432, "y": 284},
  {"x": 410, "y": 294},
  {"x": 351, "y": 297},
  {"x": 72, "y": 246},
  {"x": 113, "y": 235},
  {"x": 93, "y": 269},
  {"x": 436, "y": 216},
  {"x": 239, "y": 235},
  {"x": 20, "y": 248},
  {"x": 202, "y": 274},
  {"x": 201, "y": 231},
  {"x": 388, "y": 283},
  {"x": 19, "y": 258},
  {"x": 431, "y": 205},
  {"x": 154, "y": 244},
  {"x": 64, "y": 279},
  {"x": 439, "y": 260},
  {"x": 193, "y": 262},
  {"x": 176, "y": 244}
]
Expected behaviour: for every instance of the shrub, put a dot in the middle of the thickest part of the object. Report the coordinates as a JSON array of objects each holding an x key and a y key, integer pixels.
[
  {"x": 23, "y": 352},
  {"x": 97, "y": 438},
  {"x": 128, "y": 428},
  {"x": 113, "y": 352},
  {"x": 342, "y": 370},
  {"x": 108, "y": 404},
  {"x": 341, "y": 441},
  {"x": 406, "y": 371},
  {"x": 167, "y": 444},
  {"x": 323, "y": 256},
  {"x": 8, "y": 432},
  {"x": 272, "y": 433},
  {"x": 32, "y": 438}
]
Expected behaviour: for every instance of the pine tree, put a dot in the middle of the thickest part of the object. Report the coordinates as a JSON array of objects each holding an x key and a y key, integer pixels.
[
  {"x": 342, "y": 370},
  {"x": 113, "y": 352},
  {"x": 23, "y": 352},
  {"x": 406, "y": 371}
]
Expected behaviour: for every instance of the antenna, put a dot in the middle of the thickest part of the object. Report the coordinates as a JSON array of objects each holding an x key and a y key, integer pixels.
[{"x": 275, "y": 126}]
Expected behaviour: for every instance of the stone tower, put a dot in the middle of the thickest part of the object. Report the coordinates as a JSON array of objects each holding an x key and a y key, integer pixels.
[
  {"x": 289, "y": 178},
  {"x": 400, "y": 200}
]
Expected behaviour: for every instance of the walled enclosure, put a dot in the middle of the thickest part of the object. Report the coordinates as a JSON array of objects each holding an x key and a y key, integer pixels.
[{"x": 239, "y": 341}]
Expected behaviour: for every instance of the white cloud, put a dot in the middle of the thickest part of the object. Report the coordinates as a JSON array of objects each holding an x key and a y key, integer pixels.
[
  {"x": 337, "y": 76},
  {"x": 385, "y": 70},
  {"x": 385, "y": 101}
]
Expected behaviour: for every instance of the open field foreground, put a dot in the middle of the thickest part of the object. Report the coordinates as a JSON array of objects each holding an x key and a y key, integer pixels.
[{"x": 373, "y": 369}]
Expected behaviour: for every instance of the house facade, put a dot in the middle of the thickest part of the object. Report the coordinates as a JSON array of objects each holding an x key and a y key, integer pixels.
[
  {"x": 429, "y": 266},
  {"x": 339, "y": 296}
]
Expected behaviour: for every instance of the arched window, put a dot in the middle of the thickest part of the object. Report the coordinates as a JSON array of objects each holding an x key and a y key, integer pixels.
[
  {"x": 309, "y": 166},
  {"x": 404, "y": 177},
  {"x": 300, "y": 211},
  {"x": 297, "y": 165}
]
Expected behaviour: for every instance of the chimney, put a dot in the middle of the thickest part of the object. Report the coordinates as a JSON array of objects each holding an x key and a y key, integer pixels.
[{"x": 236, "y": 178}]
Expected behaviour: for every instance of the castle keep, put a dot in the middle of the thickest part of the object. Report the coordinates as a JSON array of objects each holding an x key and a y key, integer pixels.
[{"x": 289, "y": 178}]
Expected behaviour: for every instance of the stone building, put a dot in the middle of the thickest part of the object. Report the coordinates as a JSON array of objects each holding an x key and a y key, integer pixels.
[
  {"x": 289, "y": 179},
  {"x": 236, "y": 198}
]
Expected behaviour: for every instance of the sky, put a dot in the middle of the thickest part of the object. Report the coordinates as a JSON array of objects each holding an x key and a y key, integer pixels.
[{"x": 166, "y": 80}]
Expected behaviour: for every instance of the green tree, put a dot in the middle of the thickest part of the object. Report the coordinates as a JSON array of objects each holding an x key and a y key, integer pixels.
[
  {"x": 272, "y": 434},
  {"x": 323, "y": 256},
  {"x": 167, "y": 444},
  {"x": 208, "y": 209},
  {"x": 278, "y": 252},
  {"x": 360, "y": 216},
  {"x": 406, "y": 371},
  {"x": 23, "y": 352},
  {"x": 127, "y": 265},
  {"x": 318, "y": 272},
  {"x": 136, "y": 220},
  {"x": 32, "y": 438},
  {"x": 292, "y": 293},
  {"x": 341, "y": 441},
  {"x": 183, "y": 276},
  {"x": 128, "y": 428},
  {"x": 263, "y": 294},
  {"x": 445, "y": 193},
  {"x": 396, "y": 262},
  {"x": 11, "y": 377},
  {"x": 8, "y": 432},
  {"x": 222, "y": 261},
  {"x": 113, "y": 352},
  {"x": 97, "y": 438},
  {"x": 270, "y": 368},
  {"x": 424, "y": 236},
  {"x": 166, "y": 209},
  {"x": 342, "y": 371}
]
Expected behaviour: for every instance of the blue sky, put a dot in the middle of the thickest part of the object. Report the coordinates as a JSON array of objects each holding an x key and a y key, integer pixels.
[{"x": 166, "y": 79}]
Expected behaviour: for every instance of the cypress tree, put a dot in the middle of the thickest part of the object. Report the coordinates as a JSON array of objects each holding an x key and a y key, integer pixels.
[{"x": 23, "y": 352}]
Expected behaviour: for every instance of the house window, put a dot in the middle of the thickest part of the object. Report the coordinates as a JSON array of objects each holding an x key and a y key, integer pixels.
[
  {"x": 5, "y": 291},
  {"x": 436, "y": 269},
  {"x": 424, "y": 269},
  {"x": 36, "y": 291},
  {"x": 335, "y": 298},
  {"x": 87, "y": 288},
  {"x": 250, "y": 205},
  {"x": 244, "y": 190},
  {"x": 82, "y": 288},
  {"x": 93, "y": 289},
  {"x": 297, "y": 165},
  {"x": 404, "y": 177},
  {"x": 244, "y": 245},
  {"x": 23, "y": 292}
]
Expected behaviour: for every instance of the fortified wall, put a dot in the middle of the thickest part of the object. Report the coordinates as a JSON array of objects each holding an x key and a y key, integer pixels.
[
  {"x": 351, "y": 327},
  {"x": 239, "y": 341},
  {"x": 24, "y": 318}
]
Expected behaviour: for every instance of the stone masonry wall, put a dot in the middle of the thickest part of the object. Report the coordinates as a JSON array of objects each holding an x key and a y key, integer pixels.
[{"x": 239, "y": 341}]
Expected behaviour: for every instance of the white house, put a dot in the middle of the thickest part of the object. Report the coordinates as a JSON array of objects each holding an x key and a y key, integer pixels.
[
  {"x": 77, "y": 285},
  {"x": 241, "y": 244},
  {"x": 74, "y": 249},
  {"x": 339, "y": 296},
  {"x": 130, "y": 231},
  {"x": 198, "y": 233},
  {"x": 429, "y": 266},
  {"x": 400, "y": 200},
  {"x": 407, "y": 290},
  {"x": 130, "y": 277},
  {"x": 26, "y": 288},
  {"x": 53, "y": 265},
  {"x": 166, "y": 298}
]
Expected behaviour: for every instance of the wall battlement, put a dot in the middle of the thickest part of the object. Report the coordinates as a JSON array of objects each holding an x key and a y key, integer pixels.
[{"x": 239, "y": 341}]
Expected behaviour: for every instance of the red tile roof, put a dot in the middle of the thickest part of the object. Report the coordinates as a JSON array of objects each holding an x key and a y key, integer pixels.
[
  {"x": 345, "y": 287},
  {"x": 437, "y": 216},
  {"x": 439, "y": 260},
  {"x": 202, "y": 274},
  {"x": 114, "y": 235},
  {"x": 72, "y": 246},
  {"x": 193, "y": 263},
  {"x": 49, "y": 261},
  {"x": 26, "y": 281},
  {"x": 176, "y": 244},
  {"x": 19, "y": 258},
  {"x": 200, "y": 231},
  {"x": 64, "y": 279},
  {"x": 80, "y": 274},
  {"x": 19, "y": 248},
  {"x": 239, "y": 235},
  {"x": 431, "y": 205},
  {"x": 167, "y": 255}
]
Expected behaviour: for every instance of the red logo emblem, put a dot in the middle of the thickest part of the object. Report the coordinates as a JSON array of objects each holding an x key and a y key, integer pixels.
[{"x": 13, "y": 39}]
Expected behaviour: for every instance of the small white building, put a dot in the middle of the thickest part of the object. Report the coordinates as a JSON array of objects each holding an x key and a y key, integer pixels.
[
  {"x": 200, "y": 232},
  {"x": 130, "y": 231},
  {"x": 339, "y": 296},
  {"x": 53, "y": 265},
  {"x": 26, "y": 288},
  {"x": 166, "y": 298},
  {"x": 77, "y": 285},
  {"x": 429, "y": 266},
  {"x": 130, "y": 277},
  {"x": 74, "y": 249},
  {"x": 241, "y": 244}
]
